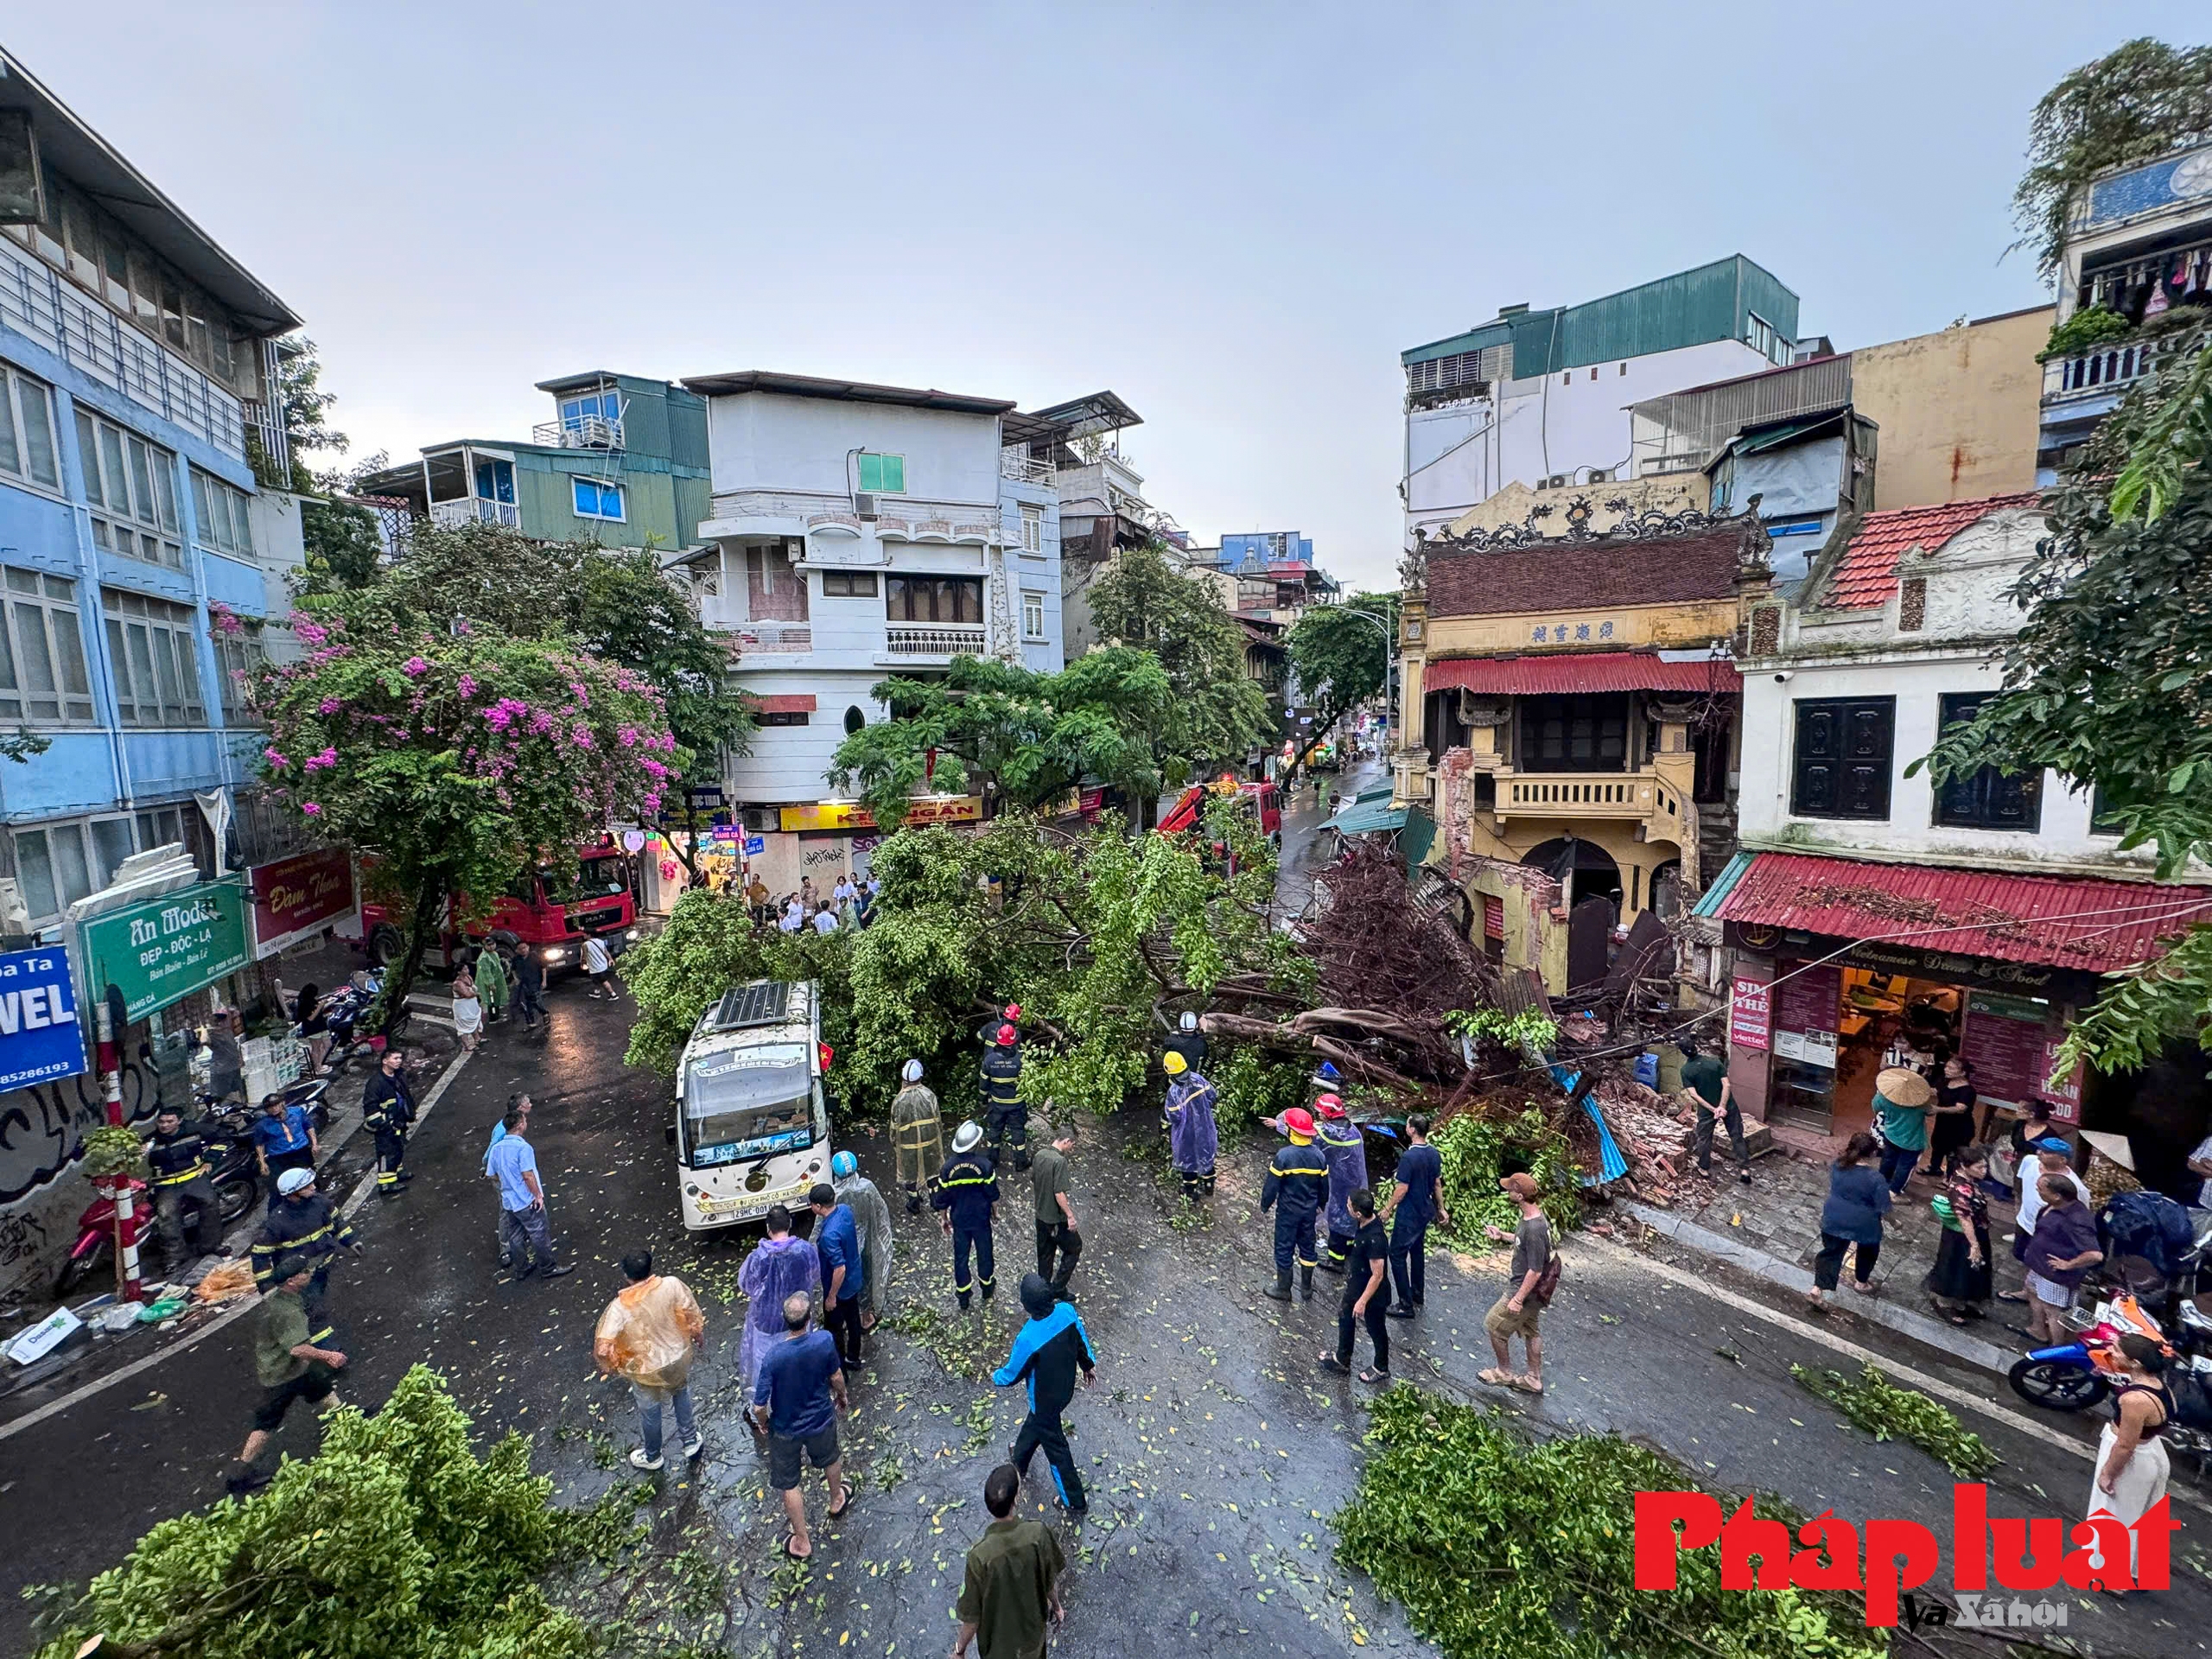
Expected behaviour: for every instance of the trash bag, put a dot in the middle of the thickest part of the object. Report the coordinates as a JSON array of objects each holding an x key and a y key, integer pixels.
[
  {"x": 2146, "y": 1225},
  {"x": 647, "y": 1333}
]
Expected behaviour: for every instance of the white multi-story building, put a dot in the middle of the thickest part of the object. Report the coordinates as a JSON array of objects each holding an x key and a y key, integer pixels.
[
  {"x": 859, "y": 532},
  {"x": 1871, "y": 911},
  {"x": 1542, "y": 398}
]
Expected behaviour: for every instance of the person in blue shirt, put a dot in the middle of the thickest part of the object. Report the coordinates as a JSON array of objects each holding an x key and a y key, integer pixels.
[
  {"x": 523, "y": 1228},
  {"x": 1416, "y": 1200},
  {"x": 796, "y": 1398},
  {"x": 284, "y": 1138},
  {"x": 1047, "y": 1353},
  {"x": 844, "y": 1269}
]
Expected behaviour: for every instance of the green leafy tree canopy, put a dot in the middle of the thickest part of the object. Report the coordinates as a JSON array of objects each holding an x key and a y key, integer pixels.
[
  {"x": 1219, "y": 713},
  {"x": 397, "y": 1540},
  {"x": 1024, "y": 738},
  {"x": 1342, "y": 656},
  {"x": 2134, "y": 104},
  {"x": 456, "y": 757},
  {"x": 2116, "y": 651}
]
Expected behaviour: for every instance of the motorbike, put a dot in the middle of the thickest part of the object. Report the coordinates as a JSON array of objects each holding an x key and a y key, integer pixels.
[
  {"x": 2073, "y": 1376},
  {"x": 231, "y": 1171},
  {"x": 342, "y": 1011}
]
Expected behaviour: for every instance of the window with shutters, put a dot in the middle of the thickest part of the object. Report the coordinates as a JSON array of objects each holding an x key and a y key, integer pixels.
[
  {"x": 1986, "y": 799},
  {"x": 1841, "y": 767},
  {"x": 42, "y": 677},
  {"x": 882, "y": 474},
  {"x": 26, "y": 453},
  {"x": 151, "y": 643},
  {"x": 220, "y": 521},
  {"x": 131, "y": 486},
  {"x": 1586, "y": 732}
]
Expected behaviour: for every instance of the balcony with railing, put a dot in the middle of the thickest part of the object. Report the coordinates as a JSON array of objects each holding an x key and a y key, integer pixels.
[
  {"x": 933, "y": 639},
  {"x": 35, "y": 301},
  {"x": 1014, "y": 462},
  {"x": 1619, "y": 796},
  {"x": 579, "y": 432},
  {"x": 2107, "y": 369},
  {"x": 475, "y": 509}
]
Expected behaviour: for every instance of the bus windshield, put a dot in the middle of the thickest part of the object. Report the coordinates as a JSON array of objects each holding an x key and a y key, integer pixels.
[
  {"x": 747, "y": 1104},
  {"x": 596, "y": 877}
]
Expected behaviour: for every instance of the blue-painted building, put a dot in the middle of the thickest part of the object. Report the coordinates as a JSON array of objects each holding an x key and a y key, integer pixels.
[{"x": 139, "y": 360}]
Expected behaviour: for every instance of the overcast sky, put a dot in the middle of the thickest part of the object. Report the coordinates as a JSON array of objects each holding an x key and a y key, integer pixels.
[{"x": 1234, "y": 216}]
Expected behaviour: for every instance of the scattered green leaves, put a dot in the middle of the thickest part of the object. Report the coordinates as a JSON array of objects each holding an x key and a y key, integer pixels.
[{"x": 1890, "y": 1412}]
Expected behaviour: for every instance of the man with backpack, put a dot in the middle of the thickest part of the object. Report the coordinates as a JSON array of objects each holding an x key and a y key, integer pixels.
[{"x": 1529, "y": 1282}]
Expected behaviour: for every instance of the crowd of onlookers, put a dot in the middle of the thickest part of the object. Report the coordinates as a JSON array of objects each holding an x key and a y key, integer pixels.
[{"x": 849, "y": 903}]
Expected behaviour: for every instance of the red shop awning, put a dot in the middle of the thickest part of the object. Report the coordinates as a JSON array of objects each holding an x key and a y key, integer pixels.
[
  {"x": 2098, "y": 927},
  {"x": 789, "y": 703},
  {"x": 1578, "y": 670}
]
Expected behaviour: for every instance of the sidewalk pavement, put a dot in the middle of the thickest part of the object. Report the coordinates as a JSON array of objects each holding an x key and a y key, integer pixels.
[{"x": 1771, "y": 1230}]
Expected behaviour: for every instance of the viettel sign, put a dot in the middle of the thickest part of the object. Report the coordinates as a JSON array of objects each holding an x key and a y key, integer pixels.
[{"x": 168, "y": 947}]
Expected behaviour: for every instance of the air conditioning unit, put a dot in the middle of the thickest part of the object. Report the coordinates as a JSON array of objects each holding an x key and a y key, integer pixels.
[
  {"x": 760, "y": 820},
  {"x": 864, "y": 504},
  {"x": 1557, "y": 481}
]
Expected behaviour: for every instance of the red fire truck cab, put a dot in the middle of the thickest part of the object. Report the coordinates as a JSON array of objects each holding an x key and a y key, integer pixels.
[
  {"x": 550, "y": 912},
  {"x": 1263, "y": 800}
]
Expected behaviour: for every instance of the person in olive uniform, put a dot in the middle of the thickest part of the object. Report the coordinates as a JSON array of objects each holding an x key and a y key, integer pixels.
[
  {"x": 967, "y": 1190},
  {"x": 917, "y": 1135},
  {"x": 177, "y": 1157},
  {"x": 1009, "y": 1117},
  {"x": 1297, "y": 1182}
]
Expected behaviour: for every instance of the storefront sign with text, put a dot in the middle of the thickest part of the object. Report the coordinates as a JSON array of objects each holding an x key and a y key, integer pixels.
[
  {"x": 296, "y": 899},
  {"x": 40, "y": 1038},
  {"x": 1750, "y": 1003},
  {"x": 851, "y": 815},
  {"x": 168, "y": 947}
]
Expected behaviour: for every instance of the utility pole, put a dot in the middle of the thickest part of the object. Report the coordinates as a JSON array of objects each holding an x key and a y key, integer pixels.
[{"x": 129, "y": 1286}]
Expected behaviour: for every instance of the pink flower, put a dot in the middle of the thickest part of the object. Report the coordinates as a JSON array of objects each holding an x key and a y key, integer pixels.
[
  {"x": 327, "y": 757},
  {"x": 274, "y": 758},
  {"x": 329, "y": 706},
  {"x": 580, "y": 734},
  {"x": 467, "y": 685},
  {"x": 415, "y": 666},
  {"x": 312, "y": 809},
  {"x": 313, "y": 634}
]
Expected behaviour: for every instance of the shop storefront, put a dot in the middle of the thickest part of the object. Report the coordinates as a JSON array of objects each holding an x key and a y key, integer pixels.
[{"x": 1843, "y": 968}]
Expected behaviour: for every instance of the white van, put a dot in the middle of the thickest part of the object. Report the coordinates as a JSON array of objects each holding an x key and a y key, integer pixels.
[{"x": 751, "y": 1125}]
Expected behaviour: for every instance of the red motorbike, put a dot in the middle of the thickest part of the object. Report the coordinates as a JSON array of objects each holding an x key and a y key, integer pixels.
[{"x": 93, "y": 1253}]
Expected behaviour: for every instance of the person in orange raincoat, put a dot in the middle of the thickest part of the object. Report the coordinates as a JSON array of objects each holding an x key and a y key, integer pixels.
[{"x": 647, "y": 1335}]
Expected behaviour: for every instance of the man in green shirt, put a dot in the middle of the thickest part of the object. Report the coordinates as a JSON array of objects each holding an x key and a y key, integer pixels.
[
  {"x": 1056, "y": 1230},
  {"x": 1012, "y": 1588},
  {"x": 1707, "y": 1092},
  {"x": 288, "y": 1364}
]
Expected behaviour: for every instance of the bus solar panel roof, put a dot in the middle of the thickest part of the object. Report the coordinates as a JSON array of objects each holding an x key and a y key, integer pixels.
[{"x": 764, "y": 1002}]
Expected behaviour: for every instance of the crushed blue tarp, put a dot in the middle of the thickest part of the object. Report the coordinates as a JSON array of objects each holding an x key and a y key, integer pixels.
[{"x": 1610, "y": 1165}]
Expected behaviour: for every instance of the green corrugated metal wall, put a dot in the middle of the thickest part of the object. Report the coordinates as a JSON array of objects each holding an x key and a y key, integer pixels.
[{"x": 1690, "y": 307}]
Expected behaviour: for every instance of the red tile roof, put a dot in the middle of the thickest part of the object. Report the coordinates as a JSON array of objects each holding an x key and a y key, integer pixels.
[
  {"x": 1578, "y": 670},
  {"x": 2098, "y": 927},
  {"x": 1867, "y": 573}
]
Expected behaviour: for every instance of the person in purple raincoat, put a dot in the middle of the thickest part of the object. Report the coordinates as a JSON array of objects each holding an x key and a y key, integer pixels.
[
  {"x": 1192, "y": 1136},
  {"x": 1339, "y": 1138},
  {"x": 780, "y": 1265}
]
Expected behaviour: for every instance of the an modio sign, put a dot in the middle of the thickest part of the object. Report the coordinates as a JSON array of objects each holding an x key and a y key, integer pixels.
[
  {"x": 168, "y": 947},
  {"x": 296, "y": 899}
]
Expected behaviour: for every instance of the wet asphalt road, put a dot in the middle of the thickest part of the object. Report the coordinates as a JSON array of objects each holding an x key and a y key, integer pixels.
[{"x": 1214, "y": 1449}]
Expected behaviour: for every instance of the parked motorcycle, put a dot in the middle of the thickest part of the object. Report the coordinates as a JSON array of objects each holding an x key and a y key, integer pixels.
[
  {"x": 342, "y": 1013},
  {"x": 231, "y": 1171},
  {"x": 2073, "y": 1376}
]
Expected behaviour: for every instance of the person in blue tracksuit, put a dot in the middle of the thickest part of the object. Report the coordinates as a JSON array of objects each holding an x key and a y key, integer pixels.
[
  {"x": 1047, "y": 1352},
  {"x": 1297, "y": 1182},
  {"x": 1340, "y": 1142}
]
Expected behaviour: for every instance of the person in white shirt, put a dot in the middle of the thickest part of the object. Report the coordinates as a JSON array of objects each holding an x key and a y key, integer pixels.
[
  {"x": 794, "y": 917},
  {"x": 842, "y": 891},
  {"x": 598, "y": 962},
  {"x": 2200, "y": 1165},
  {"x": 825, "y": 920}
]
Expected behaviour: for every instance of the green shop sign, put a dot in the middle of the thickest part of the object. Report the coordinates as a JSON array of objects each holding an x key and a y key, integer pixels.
[{"x": 168, "y": 947}]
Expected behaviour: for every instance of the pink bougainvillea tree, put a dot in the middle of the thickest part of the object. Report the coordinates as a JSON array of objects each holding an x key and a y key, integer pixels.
[{"x": 456, "y": 758}]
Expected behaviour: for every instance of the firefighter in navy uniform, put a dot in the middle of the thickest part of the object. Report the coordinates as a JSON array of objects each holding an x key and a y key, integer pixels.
[
  {"x": 1297, "y": 1182},
  {"x": 967, "y": 1190},
  {"x": 388, "y": 1111},
  {"x": 303, "y": 1223},
  {"x": 177, "y": 1158},
  {"x": 1009, "y": 1117}
]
